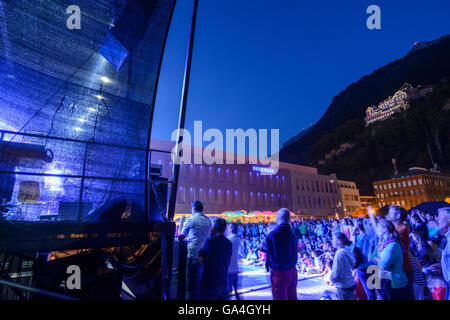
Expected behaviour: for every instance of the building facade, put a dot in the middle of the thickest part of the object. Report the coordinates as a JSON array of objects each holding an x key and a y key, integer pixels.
[
  {"x": 367, "y": 201},
  {"x": 349, "y": 195},
  {"x": 409, "y": 190},
  {"x": 232, "y": 187},
  {"x": 396, "y": 103},
  {"x": 312, "y": 194}
]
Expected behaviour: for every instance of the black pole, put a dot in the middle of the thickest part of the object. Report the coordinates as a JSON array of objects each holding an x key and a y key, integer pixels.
[
  {"x": 181, "y": 120},
  {"x": 167, "y": 238}
]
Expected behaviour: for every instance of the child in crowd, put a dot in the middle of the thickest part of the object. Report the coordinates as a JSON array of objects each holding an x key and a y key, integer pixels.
[{"x": 251, "y": 258}]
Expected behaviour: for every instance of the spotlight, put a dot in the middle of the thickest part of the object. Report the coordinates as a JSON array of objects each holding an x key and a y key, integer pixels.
[
  {"x": 105, "y": 79},
  {"x": 77, "y": 129},
  {"x": 92, "y": 109},
  {"x": 100, "y": 97},
  {"x": 81, "y": 120}
]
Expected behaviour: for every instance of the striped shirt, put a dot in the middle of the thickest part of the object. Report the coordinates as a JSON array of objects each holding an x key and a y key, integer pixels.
[{"x": 418, "y": 277}]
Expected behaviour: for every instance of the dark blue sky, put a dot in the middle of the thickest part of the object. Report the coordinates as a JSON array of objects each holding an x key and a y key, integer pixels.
[{"x": 279, "y": 63}]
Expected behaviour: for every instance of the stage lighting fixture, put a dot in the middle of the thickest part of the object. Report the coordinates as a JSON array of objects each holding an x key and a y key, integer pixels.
[{"x": 105, "y": 79}]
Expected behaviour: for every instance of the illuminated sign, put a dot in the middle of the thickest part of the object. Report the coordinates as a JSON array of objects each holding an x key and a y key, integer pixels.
[{"x": 264, "y": 169}]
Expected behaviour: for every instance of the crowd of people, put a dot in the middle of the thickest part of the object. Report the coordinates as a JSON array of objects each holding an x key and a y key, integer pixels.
[{"x": 397, "y": 256}]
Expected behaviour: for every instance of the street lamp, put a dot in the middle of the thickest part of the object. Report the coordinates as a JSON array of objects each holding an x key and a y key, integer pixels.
[{"x": 334, "y": 181}]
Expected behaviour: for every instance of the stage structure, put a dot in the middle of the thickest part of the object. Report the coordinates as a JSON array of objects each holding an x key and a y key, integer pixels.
[{"x": 77, "y": 184}]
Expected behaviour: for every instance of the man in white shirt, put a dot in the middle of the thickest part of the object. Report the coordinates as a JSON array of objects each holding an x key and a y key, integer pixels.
[{"x": 195, "y": 230}]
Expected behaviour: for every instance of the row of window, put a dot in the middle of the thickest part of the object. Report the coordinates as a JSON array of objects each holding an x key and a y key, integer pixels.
[
  {"x": 438, "y": 182},
  {"x": 403, "y": 203},
  {"x": 414, "y": 182},
  {"x": 233, "y": 176},
  {"x": 400, "y": 193},
  {"x": 351, "y": 197},
  {"x": 315, "y": 202},
  {"x": 380, "y": 116},
  {"x": 228, "y": 197},
  {"x": 315, "y": 186},
  {"x": 350, "y": 208},
  {"x": 347, "y": 186},
  {"x": 395, "y": 185}
]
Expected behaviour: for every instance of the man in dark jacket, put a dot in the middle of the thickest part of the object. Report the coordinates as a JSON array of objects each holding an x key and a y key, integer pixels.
[
  {"x": 281, "y": 249},
  {"x": 215, "y": 256}
]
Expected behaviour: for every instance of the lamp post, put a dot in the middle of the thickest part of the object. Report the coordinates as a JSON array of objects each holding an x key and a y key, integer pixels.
[{"x": 334, "y": 181}]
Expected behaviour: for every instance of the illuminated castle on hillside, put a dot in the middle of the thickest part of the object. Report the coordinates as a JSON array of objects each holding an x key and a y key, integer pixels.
[{"x": 396, "y": 103}]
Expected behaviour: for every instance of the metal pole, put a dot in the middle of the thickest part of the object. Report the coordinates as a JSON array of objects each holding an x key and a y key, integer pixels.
[
  {"x": 431, "y": 156},
  {"x": 83, "y": 178},
  {"x": 35, "y": 290},
  {"x": 181, "y": 120},
  {"x": 169, "y": 232}
]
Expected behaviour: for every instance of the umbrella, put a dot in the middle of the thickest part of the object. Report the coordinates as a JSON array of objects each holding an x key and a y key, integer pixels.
[
  {"x": 359, "y": 213},
  {"x": 228, "y": 213},
  {"x": 430, "y": 207},
  {"x": 234, "y": 213}
]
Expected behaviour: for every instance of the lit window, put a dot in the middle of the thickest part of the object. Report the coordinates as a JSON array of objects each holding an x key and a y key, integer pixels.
[{"x": 181, "y": 195}]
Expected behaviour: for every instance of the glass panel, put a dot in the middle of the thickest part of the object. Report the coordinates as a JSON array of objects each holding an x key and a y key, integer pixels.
[{"x": 39, "y": 198}]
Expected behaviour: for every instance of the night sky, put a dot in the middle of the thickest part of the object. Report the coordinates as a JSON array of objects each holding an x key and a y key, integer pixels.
[{"x": 278, "y": 64}]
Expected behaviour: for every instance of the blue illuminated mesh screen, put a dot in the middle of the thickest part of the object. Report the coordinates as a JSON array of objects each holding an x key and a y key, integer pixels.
[{"x": 74, "y": 119}]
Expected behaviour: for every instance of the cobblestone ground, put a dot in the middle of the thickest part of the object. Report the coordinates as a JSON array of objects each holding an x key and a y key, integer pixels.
[{"x": 255, "y": 285}]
